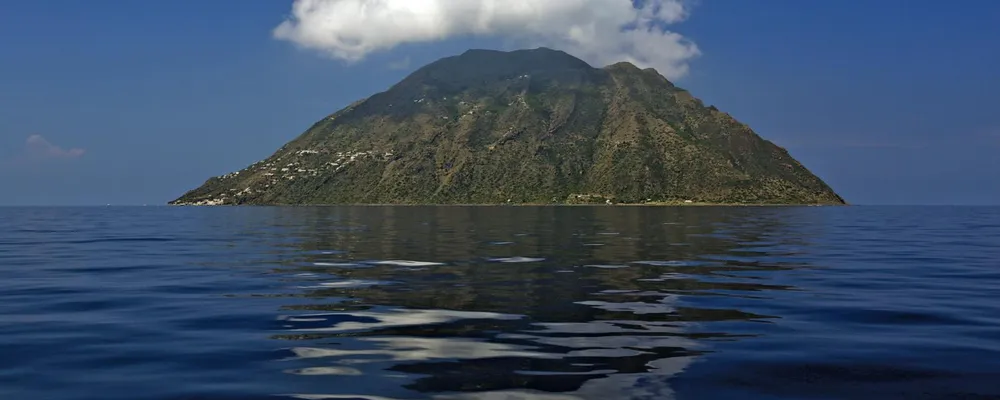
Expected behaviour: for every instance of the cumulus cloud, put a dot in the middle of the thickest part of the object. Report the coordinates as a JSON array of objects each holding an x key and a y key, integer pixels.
[
  {"x": 37, "y": 147},
  {"x": 599, "y": 31},
  {"x": 400, "y": 64}
]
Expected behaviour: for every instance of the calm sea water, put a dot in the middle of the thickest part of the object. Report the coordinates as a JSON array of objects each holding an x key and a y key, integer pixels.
[{"x": 499, "y": 303}]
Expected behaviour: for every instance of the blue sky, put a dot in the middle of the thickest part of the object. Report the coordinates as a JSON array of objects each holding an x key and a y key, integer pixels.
[{"x": 135, "y": 102}]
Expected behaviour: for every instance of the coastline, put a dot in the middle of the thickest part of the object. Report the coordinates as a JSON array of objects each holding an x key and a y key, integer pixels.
[{"x": 650, "y": 204}]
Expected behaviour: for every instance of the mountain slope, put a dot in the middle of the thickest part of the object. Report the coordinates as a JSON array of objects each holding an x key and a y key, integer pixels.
[{"x": 528, "y": 126}]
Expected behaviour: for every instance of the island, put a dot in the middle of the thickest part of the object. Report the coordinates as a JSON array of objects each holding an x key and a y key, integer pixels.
[{"x": 535, "y": 126}]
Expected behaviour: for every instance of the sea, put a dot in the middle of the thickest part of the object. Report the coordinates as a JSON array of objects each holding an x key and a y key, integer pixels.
[{"x": 499, "y": 303}]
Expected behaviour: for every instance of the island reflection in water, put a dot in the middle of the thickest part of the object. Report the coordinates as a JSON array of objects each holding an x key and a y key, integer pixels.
[
  {"x": 485, "y": 302},
  {"x": 172, "y": 303}
]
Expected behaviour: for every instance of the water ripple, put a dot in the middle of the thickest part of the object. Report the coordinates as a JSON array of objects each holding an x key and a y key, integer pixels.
[{"x": 499, "y": 303}]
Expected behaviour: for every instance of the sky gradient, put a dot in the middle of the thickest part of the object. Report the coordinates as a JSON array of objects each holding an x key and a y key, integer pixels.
[{"x": 129, "y": 102}]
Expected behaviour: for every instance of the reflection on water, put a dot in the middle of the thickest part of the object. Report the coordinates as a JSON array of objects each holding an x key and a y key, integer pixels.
[
  {"x": 505, "y": 303},
  {"x": 500, "y": 303}
]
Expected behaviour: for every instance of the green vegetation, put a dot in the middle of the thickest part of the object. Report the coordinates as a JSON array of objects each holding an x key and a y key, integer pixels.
[{"x": 524, "y": 127}]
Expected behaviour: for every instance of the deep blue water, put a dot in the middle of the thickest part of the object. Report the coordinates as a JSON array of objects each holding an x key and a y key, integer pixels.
[{"x": 499, "y": 303}]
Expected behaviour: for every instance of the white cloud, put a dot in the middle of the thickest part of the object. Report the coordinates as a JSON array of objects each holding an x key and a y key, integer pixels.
[
  {"x": 37, "y": 147},
  {"x": 601, "y": 32},
  {"x": 400, "y": 64}
]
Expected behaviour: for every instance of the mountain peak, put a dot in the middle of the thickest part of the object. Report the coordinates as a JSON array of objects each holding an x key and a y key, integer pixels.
[
  {"x": 483, "y": 68},
  {"x": 623, "y": 65},
  {"x": 537, "y": 50},
  {"x": 524, "y": 60}
]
